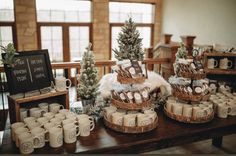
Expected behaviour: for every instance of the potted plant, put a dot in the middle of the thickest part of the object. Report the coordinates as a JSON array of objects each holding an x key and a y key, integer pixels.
[
  {"x": 10, "y": 53},
  {"x": 88, "y": 81}
]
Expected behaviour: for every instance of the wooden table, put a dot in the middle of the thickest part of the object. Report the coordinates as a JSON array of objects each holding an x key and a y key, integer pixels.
[{"x": 169, "y": 133}]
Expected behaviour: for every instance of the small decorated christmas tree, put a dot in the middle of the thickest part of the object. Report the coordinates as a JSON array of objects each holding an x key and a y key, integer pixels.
[
  {"x": 180, "y": 54},
  {"x": 88, "y": 80},
  {"x": 130, "y": 44}
]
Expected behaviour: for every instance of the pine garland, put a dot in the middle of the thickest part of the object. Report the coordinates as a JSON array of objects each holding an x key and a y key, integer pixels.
[
  {"x": 88, "y": 80},
  {"x": 130, "y": 44}
]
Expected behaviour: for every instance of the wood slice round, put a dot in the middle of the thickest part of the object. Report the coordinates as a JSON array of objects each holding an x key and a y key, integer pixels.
[
  {"x": 131, "y": 106},
  {"x": 192, "y": 120},
  {"x": 187, "y": 97},
  {"x": 197, "y": 76},
  {"x": 131, "y": 130},
  {"x": 124, "y": 80}
]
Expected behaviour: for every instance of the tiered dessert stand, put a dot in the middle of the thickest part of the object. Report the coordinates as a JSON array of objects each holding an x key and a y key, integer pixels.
[
  {"x": 131, "y": 107},
  {"x": 189, "y": 99}
]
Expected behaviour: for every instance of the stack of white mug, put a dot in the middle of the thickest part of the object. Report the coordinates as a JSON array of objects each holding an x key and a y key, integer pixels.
[
  {"x": 52, "y": 127},
  {"x": 224, "y": 104},
  {"x": 129, "y": 118},
  {"x": 197, "y": 110}
]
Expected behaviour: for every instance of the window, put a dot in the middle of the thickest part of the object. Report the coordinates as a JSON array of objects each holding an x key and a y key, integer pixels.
[
  {"x": 6, "y": 10},
  {"x": 142, "y": 14},
  {"x": 79, "y": 40},
  {"x": 63, "y": 11},
  {"x": 52, "y": 40},
  {"x": 63, "y": 20},
  {"x": 6, "y": 22}
]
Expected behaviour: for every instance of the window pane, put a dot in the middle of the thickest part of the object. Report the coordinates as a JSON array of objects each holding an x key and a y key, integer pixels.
[
  {"x": 5, "y": 35},
  {"x": 145, "y": 34},
  {"x": 141, "y": 13},
  {"x": 51, "y": 39},
  {"x": 63, "y": 11},
  {"x": 79, "y": 40},
  {"x": 6, "y": 10}
]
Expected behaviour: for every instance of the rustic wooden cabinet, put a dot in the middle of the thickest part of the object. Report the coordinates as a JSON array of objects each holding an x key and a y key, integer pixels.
[
  {"x": 227, "y": 75},
  {"x": 61, "y": 97}
]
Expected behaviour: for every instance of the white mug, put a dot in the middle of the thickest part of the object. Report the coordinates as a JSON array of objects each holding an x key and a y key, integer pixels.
[
  {"x": 43, "y": 106},
  {"x": 64, "y": 111},
  {"x": 56, "y": 137},
  {"x": 177, "y": 109},
  {"x": 60, "y": 116},
  {"x": 117, "y": 118},
  {"x": 18, "y": 132},
  {"x": 29, "y": 120},
  {"x": 55, "y": 107},
  {"x": 68, "y": 121},
  {"x": 225, "y": 63},
  {"x": 40, "y": 133},
  {"x": 27, "y": 143},
  {"x": 232, "y": 108},
  {"x": 169, "y": 106},
  {"x": 71, "y": 115},
  {"x": 151, "y": 114},
  {"x": 50, "y": 125},
  {"x": 143, "y": 119},
  {"x": 82, "y": 116},
  {"x": 199, "y": 112},
  {"x": 130, "y": 120},
  {"x": 222, "y": 110},
  {"x": 42, "y": 120},
  {"x": 108, "y": 111},
  {"x": 33, "y": 125},
  {"x": 23, "y": 114},
  {"x": 49, "y": 115},
  {"x": 47, "y": 127},
  {"x": 36, "y": 112},
  {"x": 56, "y": 121},
  {"x": 71, "y": 131},
  {"x": 212, "y": 63},
  {"x": 85, "y": 126},
  {"x": 14, "y": 127},
  {"x": 187, "y": 110},
  {"x": 61, "y": 83}
]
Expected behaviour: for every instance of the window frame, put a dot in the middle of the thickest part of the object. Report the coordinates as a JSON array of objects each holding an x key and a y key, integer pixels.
[{"x": 65, "y": 35}]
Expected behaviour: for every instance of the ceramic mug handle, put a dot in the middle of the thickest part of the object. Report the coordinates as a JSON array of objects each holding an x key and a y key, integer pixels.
[
  {"x": 61, "y": 106},
  {"x": 231, "y": 64},
  {"x": 92, "y": 125},
  {"x": 69, "y": 83},
  {"x": 77, "y": 130},
  {"x": 46, "y": 139},
  {"x": 215, "y": 63}
]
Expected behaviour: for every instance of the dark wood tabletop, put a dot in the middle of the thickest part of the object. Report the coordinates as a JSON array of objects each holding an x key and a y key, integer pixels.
[{"x": 168, "y": 133}]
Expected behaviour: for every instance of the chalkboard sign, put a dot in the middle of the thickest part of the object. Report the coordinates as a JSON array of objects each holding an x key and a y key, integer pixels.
[{"x": 31, "y": 71}]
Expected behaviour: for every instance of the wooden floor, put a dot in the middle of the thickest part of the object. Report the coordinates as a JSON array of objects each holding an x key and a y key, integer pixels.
[{"x": 202, "y": 147}]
